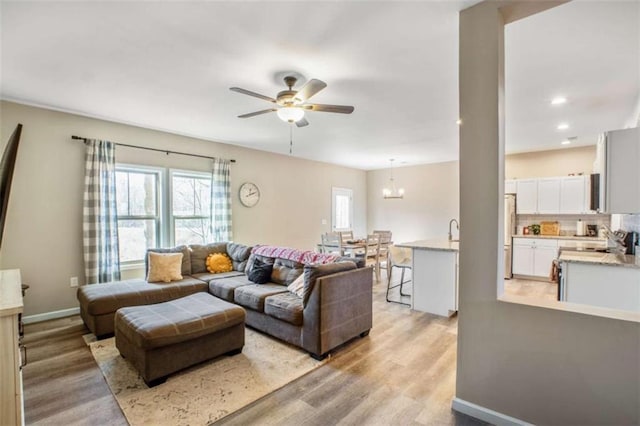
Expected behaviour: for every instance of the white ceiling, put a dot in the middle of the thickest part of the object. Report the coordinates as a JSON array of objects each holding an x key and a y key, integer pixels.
[{"x": 169, "y": 66}]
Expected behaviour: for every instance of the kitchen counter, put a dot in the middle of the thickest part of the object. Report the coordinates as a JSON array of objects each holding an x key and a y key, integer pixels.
[
  {"x": 434, "y": 276},
  {"x": 10, "y": 292},
  {"x": 608, "y": 259},
  {"x": 439, "y": 245},
  {"x": 563, "y": 237}
]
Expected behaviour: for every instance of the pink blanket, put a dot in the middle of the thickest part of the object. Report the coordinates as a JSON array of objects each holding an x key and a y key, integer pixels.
[{"x": 305, "y": 257}]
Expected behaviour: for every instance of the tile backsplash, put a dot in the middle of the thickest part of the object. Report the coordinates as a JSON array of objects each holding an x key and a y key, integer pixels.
[
  {"x": 630, "y": 222},
  {"x": 567, "y": 222}
]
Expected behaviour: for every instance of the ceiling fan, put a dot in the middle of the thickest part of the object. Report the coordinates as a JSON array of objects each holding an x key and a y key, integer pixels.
[{"x": 290, "y": 104}]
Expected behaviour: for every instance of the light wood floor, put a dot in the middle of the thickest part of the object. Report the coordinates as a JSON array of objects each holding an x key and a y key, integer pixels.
[
  {"x": 544, "y": 290},
  {"x": 402, "y": 373}
]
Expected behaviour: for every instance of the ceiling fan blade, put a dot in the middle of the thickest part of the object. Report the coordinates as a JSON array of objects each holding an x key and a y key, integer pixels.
[
  {"x": 312, "y": 87},
  {"x": 253, "y": 114},
  {"x": 302, "y": 122},
  {"x": 250, "y": 93},
  {"x": 341, "y": 109}
]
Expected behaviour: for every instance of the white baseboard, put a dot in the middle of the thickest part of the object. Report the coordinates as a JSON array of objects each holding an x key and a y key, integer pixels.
[
  {"x": 50, "y": 315},
  {"x": 485, "y": 414}
]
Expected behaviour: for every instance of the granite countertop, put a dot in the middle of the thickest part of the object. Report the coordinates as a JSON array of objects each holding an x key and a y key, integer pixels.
[
  {"x": 562, "y": 237},
  {"x": 10, "y": 292},
  {"x": 438, "y": 245},
  {"x": 608, "y": 259}
]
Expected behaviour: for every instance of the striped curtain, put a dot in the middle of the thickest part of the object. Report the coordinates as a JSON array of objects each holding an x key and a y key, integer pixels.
[
  {"x": 221, "y": 200},
  {"x": 100, "y": 220}
]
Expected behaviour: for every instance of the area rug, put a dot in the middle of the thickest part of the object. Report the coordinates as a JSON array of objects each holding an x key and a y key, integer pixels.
[{"x": 206, "y": 392}]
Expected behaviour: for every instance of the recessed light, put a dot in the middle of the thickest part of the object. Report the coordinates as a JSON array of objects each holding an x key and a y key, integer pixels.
[
  {"x": 559, "y": 100},
  {"x": 563, "y": 126},
  {"x": 565, "y": 142},
  {"x": 459, "y": 121}
]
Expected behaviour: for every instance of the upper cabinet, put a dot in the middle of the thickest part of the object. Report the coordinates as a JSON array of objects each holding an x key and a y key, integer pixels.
[
  {"x": 623, "y": 171},
  {"x": 573, "y": 195},
  {"x": 548, "y": 195},
  {"x": 558, "y": 195},
  {"x": 527, "y": 196}
]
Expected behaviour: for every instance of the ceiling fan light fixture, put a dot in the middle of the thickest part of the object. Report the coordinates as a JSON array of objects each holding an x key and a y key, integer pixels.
[{"x": 290, "y": 114}]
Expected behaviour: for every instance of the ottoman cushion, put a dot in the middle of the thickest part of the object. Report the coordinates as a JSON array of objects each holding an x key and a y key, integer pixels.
[
  {"x": 106, "y": 298},
  {"x": 184, "y": 319}
]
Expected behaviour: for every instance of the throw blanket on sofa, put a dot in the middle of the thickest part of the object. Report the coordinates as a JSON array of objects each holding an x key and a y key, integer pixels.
[{"x": 301, "y": 256}]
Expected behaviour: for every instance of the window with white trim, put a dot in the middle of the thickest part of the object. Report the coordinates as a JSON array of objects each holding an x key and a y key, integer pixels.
[
  {"x": 190, "y": 207},
  {"x": 139, "y": 211}
]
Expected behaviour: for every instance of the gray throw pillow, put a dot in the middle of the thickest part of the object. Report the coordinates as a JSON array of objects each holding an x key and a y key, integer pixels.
[{"x": 261, "y": 272}]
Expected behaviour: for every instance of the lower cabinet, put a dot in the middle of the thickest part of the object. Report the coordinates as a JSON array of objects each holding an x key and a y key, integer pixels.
[{"x": 534, "y": 256}]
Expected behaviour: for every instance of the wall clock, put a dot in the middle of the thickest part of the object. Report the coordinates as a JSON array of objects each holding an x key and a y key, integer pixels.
[{"x": 249, "y": 194}]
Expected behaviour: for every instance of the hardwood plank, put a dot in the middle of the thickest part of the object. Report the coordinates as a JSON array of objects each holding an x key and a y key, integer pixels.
[{"x": 402, "y": 373}]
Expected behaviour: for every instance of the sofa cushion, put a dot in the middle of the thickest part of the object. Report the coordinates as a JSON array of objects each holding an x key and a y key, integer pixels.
[
  {"x": 208, "y": 276},
  {"x": 261, "y": 272},
  {"x": 297, "y": 286},
  {"x": 284, "y": 306},
  {"x": 218, "y": 263},
  {"x": 313, "y": 272},
  {"x": 239, "y": 254},
  {"x": 164, "y": 267},
  {"x": 176, "y": 321},
  {"x": 252, "y": 296},
  {"x": 98, "y": 299},
  {"x": 286, "y": 271},
  {"x": 224, "y": 287},
  {"x": 186, "y": 258},
  {"x": 199, "y": 253}
]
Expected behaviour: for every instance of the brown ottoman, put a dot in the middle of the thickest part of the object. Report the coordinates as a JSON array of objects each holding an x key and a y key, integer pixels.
[{"x": 167, "y": 337}]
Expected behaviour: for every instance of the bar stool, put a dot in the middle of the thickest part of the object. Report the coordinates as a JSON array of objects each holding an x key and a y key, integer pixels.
[{"x": 399, "y": 257}]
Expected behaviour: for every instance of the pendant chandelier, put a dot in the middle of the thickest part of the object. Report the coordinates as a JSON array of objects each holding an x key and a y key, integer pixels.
[{"x": 390, "y": 191}]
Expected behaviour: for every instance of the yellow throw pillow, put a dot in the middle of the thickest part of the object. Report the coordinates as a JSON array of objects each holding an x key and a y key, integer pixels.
[
  {"x": 164, "y": 267},
  {"x": 219, "y": 262}
]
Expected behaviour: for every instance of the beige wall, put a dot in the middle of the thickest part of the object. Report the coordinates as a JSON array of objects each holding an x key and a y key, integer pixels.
[
  {"x": 540, "y": 365},
  {"x": 44, "y": 223},
  {"x": 557, "y": 162},
  {"x": 430, "y": 201}
]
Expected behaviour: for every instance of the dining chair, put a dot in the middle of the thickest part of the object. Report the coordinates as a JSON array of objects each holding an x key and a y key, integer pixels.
[
  {"x": 332, "y": 243},
  {"x": 372, "y": 254},
  {"x": 346, "y": 236},
  {"x": 399, "y": 257},
  {"x": 385, "y": 242}
]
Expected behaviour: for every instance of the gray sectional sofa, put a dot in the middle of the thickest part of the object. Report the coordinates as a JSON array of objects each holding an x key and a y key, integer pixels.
[{"x": 336, "y": 305}]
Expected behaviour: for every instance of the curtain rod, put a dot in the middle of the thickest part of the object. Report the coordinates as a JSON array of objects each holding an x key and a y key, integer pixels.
[{"x": 153, "y": 149}]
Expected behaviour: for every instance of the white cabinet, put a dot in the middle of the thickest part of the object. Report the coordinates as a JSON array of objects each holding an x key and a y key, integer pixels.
[
  {"x": 534, "y": 256},
  {"x": 614, "y": 287},
  {"x": 623, "y": 173},
  {"x": 510, "y": 186},
  {"x": 573, "y": 195},
  {"x": 527, "y": 196},
  {"x": 556, "y": 195},
  {"x": 548, "y": 195}
]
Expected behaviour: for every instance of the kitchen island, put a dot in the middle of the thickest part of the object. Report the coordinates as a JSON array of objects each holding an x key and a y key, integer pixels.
[
  {"x": 600, "y": 279},
  {"x": 435, "y": 276}
]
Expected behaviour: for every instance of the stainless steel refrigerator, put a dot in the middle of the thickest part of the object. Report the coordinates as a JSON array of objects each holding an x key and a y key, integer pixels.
[{"x": 509, "y": 231}]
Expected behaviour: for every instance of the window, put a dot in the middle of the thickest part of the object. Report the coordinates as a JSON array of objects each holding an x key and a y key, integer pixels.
[
  {"x": 191, "y": 207},
  {"x": 138, "y": 207},
  {"x": 342, "y": 208}
]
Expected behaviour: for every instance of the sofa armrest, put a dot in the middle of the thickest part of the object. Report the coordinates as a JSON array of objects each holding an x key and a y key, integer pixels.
[{"x": 339, "y": 309}]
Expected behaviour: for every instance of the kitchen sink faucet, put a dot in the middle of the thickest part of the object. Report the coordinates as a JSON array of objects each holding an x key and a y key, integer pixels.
[{"x": 457, "y": 227}]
